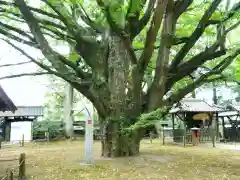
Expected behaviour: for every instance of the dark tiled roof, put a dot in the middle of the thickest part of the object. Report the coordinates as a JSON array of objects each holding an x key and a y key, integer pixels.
[
  {"x": 232, "y": 110},
  {"x": 235, "y": 107},
  {"x": 195, "y": 105},
  {"x": 228, "y": 114},
  {"x": 24, "y": 111},
  {"x": 6, "y": 103}
]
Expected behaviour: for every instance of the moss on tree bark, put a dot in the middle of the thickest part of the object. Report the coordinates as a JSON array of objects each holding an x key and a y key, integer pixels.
[{"x": 117, "y": 141}]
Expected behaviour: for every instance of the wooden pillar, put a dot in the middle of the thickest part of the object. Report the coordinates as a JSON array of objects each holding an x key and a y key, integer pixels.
[
  {"x": 150, "y": 136},
  {"x": 223, "y": 126},
  {"x": 173, "y": 121},
  {"x": 173, "y": 126},
  {"x": 7, "y": 130},
  {"x": 47, "y": 136},
  {"x": 163, "y": 134},
  {"x": 213, "y": 131},
  {"x": 184, "y": 134},
  {"x": 9, "y": 174},
  {"x": 22, "y": 166},
  {"x": 217, "y": 128},
  {"x": 1, "y": 142},
  {"x": 22, "y": 142}
]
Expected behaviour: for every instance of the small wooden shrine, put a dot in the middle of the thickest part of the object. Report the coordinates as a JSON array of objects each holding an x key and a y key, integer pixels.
[{"x": 195, "y": 115}]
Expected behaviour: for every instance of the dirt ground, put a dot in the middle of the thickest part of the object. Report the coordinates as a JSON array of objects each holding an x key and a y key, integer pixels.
[{"x": 61, "y": 161}]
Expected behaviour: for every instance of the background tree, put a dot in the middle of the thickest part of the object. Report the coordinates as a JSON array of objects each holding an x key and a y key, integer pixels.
[
  {"x": 110, "y": 66},
  {"x": 54, "y": 105}
]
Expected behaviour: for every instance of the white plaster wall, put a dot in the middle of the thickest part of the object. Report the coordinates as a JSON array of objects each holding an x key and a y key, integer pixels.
[{"x": 20, "y": 128}]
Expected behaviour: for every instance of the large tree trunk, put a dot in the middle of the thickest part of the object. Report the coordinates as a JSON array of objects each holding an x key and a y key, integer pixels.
[{"x": 117, "y": 141}]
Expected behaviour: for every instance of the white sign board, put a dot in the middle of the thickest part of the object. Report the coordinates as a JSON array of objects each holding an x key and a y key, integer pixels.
[{"x": 20, "y": 128}]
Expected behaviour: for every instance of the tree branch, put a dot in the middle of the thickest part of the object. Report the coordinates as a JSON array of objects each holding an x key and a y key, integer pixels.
[
  {"x": 24, "y": 74},
  {"x": 119, "y": 31},
  {"x": 234, "y": 26},
  {"x": 82, "y": 86},
  {"x": 181, "y": 93},
  {"x": 19, "y": 31},
  {"x": 195, "y": 35},
  {"x": 45, "y": 67},
  {"x": 232, "y": 11},
  {"x": 191, "y": 65},
  {"x": 42, "y": 12},
  {"x": 152, "y": 35},
  {"x": 54, "y": 58},
  {"x": 181, "y": 6},
  {"x": 16, "y": 64},
  {"x": 17, "y": 19},
  {"x": 185, "y": 49},
  {"x": 176, "y": 41},
  {"x": 59, "y": 34},
  {"x": 44, "y": 24},
  {"x": 136, "y": 26},
  {"x": 84, "y": 16},
  {"x": 73, "y": 28},
  {"x": 112, "y": 23},
  {"x": 161, "y": 70},
  {"x": 18, "y": 39},
  {"x": 61, "y": 11},
  {"x": 40, "y": 20},
  {"x": 134, "y": 10},
  {"x": 218, "y": 69}
]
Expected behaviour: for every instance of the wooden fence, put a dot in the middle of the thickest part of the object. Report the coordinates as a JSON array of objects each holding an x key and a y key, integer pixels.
[{"x": 21, "y": 168}]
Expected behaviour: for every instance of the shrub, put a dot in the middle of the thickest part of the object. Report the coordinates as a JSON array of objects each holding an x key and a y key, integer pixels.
[{"x": 55, "y": 129}]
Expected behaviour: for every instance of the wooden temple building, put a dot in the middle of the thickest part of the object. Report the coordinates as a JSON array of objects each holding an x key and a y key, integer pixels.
[
  {"x": 16, "y": 121},
  {"x": 191, "y": 116},
  {"x": 14, "y": 125}
]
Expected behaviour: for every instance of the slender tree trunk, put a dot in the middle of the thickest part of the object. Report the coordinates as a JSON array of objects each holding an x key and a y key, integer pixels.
[
  {"x": 215, "y": 99},
  {"x": 68, "y": 111},
  {"x": 194, "y": 94}
]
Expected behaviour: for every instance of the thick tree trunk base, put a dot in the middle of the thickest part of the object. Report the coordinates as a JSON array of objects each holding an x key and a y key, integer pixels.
[{"x": 123, "y": 146}]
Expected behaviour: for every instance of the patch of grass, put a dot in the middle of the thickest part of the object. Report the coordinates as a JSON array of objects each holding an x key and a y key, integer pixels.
[{"x": 61, "y": 161}]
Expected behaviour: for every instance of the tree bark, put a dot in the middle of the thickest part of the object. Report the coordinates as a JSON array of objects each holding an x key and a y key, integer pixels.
[
  {"x": 68, "y": 108},
  {"x": 119, "y": 143},
  {"x": 168, "y": 31},
  {"x": 116, "y": 140},
  {"x": 214, "y": 90}
]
